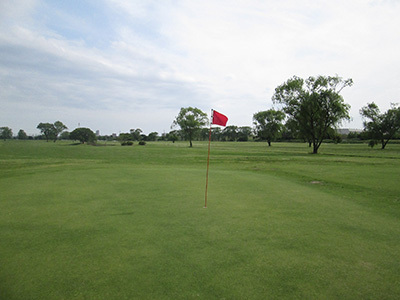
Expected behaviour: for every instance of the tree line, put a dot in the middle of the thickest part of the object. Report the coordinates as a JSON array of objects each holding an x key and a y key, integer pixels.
[
  {"x": 312, "y": 109},
  {"x": 309, "y": 109}
]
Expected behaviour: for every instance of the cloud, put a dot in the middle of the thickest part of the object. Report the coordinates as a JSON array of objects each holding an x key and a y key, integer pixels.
[{"x": 127, "y": 64}]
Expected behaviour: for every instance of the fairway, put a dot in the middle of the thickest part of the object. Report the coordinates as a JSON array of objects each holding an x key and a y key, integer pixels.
[{"x": 112, "y": 222}]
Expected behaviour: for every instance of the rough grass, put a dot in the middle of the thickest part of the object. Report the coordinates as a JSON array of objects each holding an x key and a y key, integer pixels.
[{"x": 84, "y": 222}]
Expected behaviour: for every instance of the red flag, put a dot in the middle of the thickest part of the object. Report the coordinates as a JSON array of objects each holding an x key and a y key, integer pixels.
[{"x": 219, "y": 119}]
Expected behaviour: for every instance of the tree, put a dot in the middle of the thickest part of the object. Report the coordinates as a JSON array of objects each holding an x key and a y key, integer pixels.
[
  {"x": 290, "y": 130},
  {"x": 230, "y": 133},
  {"x": 125, "y": 139},
  {"x": 64, "y": 135},
  {"x": 51, "y": 131},
  {"x": 268, "y": 124},
  {"x": 381, "y": 127},
  {"x": 6, "y": 133},
  {"x": 136, "y": 134},
  {"x": 216, "y": 134},
  {"x": 47, "y": 129},
  {"x": 22, "y": 135},
  {"x": 204, "y": 134},
  {"x": 83, "y": 135},
  {"x": 59, "y": 127},
  {"x": 314, "y": 104},
  {"x": 190, "y": 120},
  {"x": 152, "y": 136},
  {"x": 243, "y": 133},
  {"x": 172, "y": 136}
]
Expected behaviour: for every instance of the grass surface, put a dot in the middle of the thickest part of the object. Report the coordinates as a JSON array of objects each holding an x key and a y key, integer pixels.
[{"x": 83, "y": 222}]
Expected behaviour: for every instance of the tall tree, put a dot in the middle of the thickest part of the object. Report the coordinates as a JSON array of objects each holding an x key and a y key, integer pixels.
[
  {"x": 381, "y": 127},
  {"x": 5, "y": 133},
  {"x": 315, "y": 104},
  {"x": 268, "y": 124},
  {"x": 190, "y": 120}
]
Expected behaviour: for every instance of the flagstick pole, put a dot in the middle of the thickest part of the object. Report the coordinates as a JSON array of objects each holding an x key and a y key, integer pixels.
[{"x": 208, "y": 160}]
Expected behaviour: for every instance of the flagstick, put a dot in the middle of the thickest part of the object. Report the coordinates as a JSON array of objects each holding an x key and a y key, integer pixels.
[{"x": 208, "y": 159}]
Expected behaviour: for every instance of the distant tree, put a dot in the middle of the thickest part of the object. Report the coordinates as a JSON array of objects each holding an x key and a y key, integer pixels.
[
  {"x": 334, "y": 136},
  {"x": 51, "y": 131},
  {"x": 292, "y": 130},
  {"x": 230, "y": 133},
  {"x": 352, "y": 135},
  {"x": 289, "y": 131},
  {"x": 172, "y": 136},
  {"x": 315, "y": 104},
  {"x": 59, "y": 127},
  {"x": 124, "y": 138},
  {"x": 216, "y": 133},
  {"x": 243, "y": 133},
  {"x": 204, "y": 134},
  {"x": 268, "y": 124},
  {"x": 105, "y": 138},
  {"x": 190, "y": 120},
  {"x": 22, "y": 135},
  {"x": 84, "y": 135},
  {"x": 64, "y": 135},
  {"x": 381, "y": 127},
  {"x": 136, "y": 134},
  {"x": 152, "y": 136},
  {"x": 47, "y": 129},
  {"x": 6, "y": 133}
]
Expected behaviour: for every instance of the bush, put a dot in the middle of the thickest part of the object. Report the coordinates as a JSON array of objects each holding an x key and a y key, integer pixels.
[
  {"x": 142, "y": 143},
  {"x": 127, "y": 143}
]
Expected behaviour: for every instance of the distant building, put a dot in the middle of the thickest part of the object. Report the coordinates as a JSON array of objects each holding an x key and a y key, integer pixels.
[
  {"x": 97, "y": 132},
  {"x": 346, "y": 131}
]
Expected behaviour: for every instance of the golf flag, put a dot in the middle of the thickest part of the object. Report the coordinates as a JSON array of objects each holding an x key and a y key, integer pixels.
[{"x": 219, "y": 119}]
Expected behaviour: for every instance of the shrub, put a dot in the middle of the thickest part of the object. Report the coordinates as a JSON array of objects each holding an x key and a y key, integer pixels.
[
  {"x": 127, "y": 143},
  {"x": 142, "y": 143}
]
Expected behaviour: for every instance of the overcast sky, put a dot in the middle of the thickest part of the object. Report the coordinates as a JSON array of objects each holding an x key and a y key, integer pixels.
[{"x": 113, "y": 65}]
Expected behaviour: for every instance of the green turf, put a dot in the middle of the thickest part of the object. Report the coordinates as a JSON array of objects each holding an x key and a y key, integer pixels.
[{"x": 84, "y": 222}]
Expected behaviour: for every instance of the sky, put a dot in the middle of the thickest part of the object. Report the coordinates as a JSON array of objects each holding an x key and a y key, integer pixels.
[{"x": 114, "y": 65}]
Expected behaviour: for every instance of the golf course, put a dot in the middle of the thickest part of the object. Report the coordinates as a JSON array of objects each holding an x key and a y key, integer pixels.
[{"x": 111, "y": 222}]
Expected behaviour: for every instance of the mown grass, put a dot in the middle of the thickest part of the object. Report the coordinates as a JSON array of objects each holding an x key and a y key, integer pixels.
[{"x": 83, "y": 222}]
